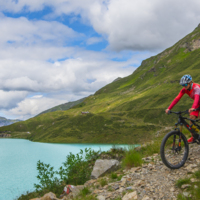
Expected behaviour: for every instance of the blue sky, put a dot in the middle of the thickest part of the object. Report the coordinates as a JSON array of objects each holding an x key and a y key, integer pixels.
[{"x": 53, "y": 52}]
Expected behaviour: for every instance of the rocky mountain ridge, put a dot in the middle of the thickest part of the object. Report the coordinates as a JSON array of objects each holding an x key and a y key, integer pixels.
[{"x": 6, "y": 122}]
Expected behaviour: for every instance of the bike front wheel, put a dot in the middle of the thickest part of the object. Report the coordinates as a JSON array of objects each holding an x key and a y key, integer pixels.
[{"x": 174, "y": 150}]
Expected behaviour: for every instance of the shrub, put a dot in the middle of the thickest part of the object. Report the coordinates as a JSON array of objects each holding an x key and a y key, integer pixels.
[
  {"x": 132, "y": 158},
  {"x": 46, "y": 176},
  {"x": 116, "y": 149},
  {"x": 85, "y": 191},
  {"x": 103, "y": 182},
  {"x": 113, "y": 175},
  {"x": 150, "y": 149},
  {"x": 77, "y": 167},
  {"x": 76, "y": 170}
]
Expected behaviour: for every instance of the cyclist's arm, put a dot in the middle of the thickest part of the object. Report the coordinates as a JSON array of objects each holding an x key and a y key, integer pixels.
[
  {"x": 196, "y": 101},
  {"x": 176, "y": 100}
]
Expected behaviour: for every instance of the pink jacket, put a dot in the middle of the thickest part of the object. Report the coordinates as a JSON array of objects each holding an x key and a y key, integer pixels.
[{"x": 194, "y": 94}]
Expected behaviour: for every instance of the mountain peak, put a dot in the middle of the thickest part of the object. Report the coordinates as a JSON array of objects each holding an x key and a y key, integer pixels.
[{"x": 6, "y": 122}]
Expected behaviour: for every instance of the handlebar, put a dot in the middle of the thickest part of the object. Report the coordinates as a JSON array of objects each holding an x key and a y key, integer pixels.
[
  {"x": 180, "y": 112},
  {"x": 197, "y": 109}
]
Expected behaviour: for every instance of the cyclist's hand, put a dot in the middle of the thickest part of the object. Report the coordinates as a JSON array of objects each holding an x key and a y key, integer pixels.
[
  {"x": 190, "y": 110},
  {"x": 167, "y": 111}
]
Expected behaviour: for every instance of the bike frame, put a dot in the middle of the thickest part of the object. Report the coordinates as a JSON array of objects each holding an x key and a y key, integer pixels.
[
  {"x": 181, "y": 122},
  {"x": 174, "y": 149}
]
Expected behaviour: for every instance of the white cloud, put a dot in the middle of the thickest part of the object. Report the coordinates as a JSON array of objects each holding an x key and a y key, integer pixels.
[
  {"x": 32, "y": 106},
  {"x": 23, "y": 32},
  {"x": 59, "y": 80},
  {"x": 37, "y": 97},
  {"x": 94, "y": 40},
  {"x": 135, "y": 25},
  {"x": 31, "y": 49},
  {"x": 9, "y": 99},
  {"x": 144, "y": 25},
  {"x": 40, "y": 76}
]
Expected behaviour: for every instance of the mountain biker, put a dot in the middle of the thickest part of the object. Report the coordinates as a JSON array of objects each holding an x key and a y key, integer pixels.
[{"x": 193, "y": 91}]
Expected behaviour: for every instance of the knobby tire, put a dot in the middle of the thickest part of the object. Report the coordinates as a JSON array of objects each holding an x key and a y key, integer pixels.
[{"x": 167, "y": 152}]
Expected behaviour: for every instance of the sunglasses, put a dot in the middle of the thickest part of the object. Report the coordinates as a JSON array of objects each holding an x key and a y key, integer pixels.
[{"x": 185, "y": 85}]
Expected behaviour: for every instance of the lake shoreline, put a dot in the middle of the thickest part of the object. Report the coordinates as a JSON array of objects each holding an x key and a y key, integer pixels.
[
  {"x": 66, "y": 142},
  {"x": 20, "y": 150}
]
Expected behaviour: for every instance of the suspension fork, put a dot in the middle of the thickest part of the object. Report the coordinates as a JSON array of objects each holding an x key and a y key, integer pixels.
[
  {"x": 181, "y": 128},
  {"x": 180, "y": 137}
]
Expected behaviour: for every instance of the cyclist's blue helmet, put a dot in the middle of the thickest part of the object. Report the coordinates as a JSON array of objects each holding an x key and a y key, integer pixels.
[{"x": 185, "y": 79}]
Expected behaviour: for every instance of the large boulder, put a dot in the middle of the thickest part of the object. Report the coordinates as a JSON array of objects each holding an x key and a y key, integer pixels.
[{"x": 103, "y": 166}]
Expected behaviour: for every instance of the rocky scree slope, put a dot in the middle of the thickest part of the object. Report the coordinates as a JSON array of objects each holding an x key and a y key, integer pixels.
[{"x": 151, "y": 181}]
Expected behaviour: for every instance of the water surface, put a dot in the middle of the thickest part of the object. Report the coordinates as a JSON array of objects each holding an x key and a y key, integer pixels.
[{"x": 18, "y": 162}]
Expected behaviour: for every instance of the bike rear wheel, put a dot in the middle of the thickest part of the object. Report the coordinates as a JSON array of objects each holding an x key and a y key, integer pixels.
[{"x": 172, "y": 154}]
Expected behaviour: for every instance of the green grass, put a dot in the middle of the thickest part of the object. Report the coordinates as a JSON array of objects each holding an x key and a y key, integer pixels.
[
  {"x": 193, "y": 190},
  {"x": 181, "y": 182},
  {"x": 130, "y": 110},
  {"x": 132, "y": 159},
  {"x": 197, "y": 174},
  {"x": 181, "y": 197},
  {"x": 114, "y": 176},
  {"x": 119, "y": 177},
  {"x": 103, "y": 182},
  {"x": 85, "y": 191}
]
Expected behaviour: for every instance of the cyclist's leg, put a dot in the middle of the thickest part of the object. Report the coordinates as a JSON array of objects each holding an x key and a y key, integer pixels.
[{"x": 193, "y": 116}]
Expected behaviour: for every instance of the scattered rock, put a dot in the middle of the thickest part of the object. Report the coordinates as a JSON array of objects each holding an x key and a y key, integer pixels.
[
  {"x": 100, "y": 197},
  {"x": 103, "y": 166},
  {"x": 129, "y": 188},
  {"x": 145, "y": 198},
  {"x": 152, "y": 180},
  {"x": 185, "y": 186},
  {"x": 48, "y": 196},
  {"x": 130, "y": 196},
  {"x": 193, "y": 180},
  {"x": 76, "y": 190},
  {"x": 186, "y": 194}
]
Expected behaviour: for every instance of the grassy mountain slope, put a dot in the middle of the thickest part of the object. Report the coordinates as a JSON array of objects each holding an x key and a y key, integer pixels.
[
  {"x": 64, "y": 106},
  {"x": 129, "y": 110}
]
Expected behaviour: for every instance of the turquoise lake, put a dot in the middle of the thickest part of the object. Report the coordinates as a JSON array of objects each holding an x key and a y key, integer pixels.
[{"x": 18, "y": 162}]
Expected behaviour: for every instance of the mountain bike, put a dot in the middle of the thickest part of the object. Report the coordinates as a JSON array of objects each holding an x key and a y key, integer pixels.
[{"x": 174, "y": 148}]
